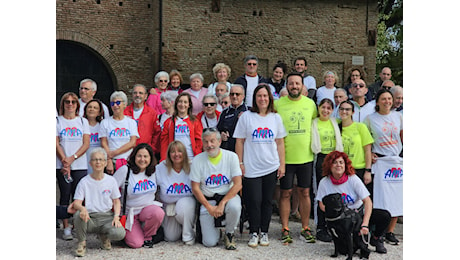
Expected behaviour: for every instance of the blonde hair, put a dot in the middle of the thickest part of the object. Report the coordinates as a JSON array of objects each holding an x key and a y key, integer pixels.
[
  {"x": 220, "y": 66},
  {"x": 178, "y": 146}
]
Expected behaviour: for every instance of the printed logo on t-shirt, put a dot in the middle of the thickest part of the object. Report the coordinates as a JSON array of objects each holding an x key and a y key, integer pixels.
[
  {"x": 217, "y": 180},
  {"x": 389, "y": 130},
  {"x": 178, "y": 188},
  {"x": 347, "y": 199},
  {"x": 348, "y": 146},
  {"x": 94, "y": 138},
  {"x": 295, "y": 120},
  {"x": 262, "y": 135},
  {"x": 182, "y": 129},
  {"x": 106, "y": 192},
  {"x": 70, "y": 132},
  {"x": 143, "y": 186},
  {"x": 119, "y": 132},
  {"x": 393, "y": 175}
]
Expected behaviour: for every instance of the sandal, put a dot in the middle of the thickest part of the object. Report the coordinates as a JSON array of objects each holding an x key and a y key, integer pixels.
[{"x": 81, "y": 248}]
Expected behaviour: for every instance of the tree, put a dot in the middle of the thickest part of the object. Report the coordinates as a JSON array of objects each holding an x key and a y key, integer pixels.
[{"x": 390, "y": 39}]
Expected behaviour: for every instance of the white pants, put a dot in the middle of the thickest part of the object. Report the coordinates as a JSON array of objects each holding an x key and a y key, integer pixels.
[
  {"x": 182, "y": 223},
  {"x": 210, "y": 233}
]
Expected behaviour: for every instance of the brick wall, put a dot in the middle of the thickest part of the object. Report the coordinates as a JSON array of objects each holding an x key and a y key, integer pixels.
[{"x": 195, "y": 37}]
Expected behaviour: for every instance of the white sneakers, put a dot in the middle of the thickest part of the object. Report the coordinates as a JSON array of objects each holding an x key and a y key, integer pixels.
[
  {"x": 254, "y": 240},
  {"x": 67, "y": 233}
]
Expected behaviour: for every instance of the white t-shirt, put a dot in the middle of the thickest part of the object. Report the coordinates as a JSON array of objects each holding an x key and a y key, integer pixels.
[
  {"x": 324, "y": 92},
  {"x": 385, "y": 129},
  {"x": 163, "y": 118},
  {"x": 182, "y": 134},
  {"x": 208, "y": 122},
  {"x": 94, "y": 142},
  {"x": 353, "y": 191},
  {"x": 141, "y": 188},
  {"x": 137, "y": 113},
  {"x": 310, "y": 82},
  {"x": 215, "y": 178},
  {"x": 212, "y": 87},
  {"x": 70, "y": 133},
  {"x": 173, "y": 186},
  {"x": 118, "y": 133},
  {"x": 260, "y": 154},
  {"x": 82, "y": 109},
  {"x": 250, "y": 87},
  {"x": 98, "y": 195}
]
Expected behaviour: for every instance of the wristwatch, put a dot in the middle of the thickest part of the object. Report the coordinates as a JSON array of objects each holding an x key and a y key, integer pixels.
[{"x": 75, "y": 156}]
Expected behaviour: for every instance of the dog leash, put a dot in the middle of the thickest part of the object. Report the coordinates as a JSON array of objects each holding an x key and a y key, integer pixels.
[{"x": 368, "y": 239}]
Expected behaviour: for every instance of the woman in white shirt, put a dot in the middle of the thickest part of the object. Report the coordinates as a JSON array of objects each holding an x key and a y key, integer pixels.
[
  {"x": 143, "y": 214},
  {"x": 72, "y": 141},
  {"x": 94, "y": 113},
  {"x": 175, "y": 191},
  {"x": 259, "y": 145}
]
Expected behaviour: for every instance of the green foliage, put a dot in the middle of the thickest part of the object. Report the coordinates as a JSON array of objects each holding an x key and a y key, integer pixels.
[{"x": 390, "y": 39}]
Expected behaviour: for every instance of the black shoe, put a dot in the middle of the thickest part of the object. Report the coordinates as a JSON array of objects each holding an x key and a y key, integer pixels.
[
  {"x": 148, "y": 243},
  {"x": 378, "y": 243},
  {"x": 390, "y": 238},
  {"x": 323, "y": 235}
]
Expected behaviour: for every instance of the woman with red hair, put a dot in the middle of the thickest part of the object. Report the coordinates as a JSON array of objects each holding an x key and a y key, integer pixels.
[{"x": 341, "y": 178}]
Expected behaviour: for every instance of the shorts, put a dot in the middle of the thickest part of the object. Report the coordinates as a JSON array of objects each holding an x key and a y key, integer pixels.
[{"x": 304, "y": 173}]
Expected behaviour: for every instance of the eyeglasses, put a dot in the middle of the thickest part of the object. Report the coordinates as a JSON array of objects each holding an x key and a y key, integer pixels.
[
  {"x": 83, "y": 88},
  {"x": 209, "y": 104},
  {"x": 67, "y": 102},
  {"x": 354, "y": 85},
  {"x": 115, "y": 103},
  {"x": 386, "y": 87},
  {"x": 225, "y": 102},
  {"x": 252, "y": 64},
  {"x": 162, "y": 80},
  {"x": 210, "y": 129},
  {"x": 98, "y": 160},
  {"x": 345, "y": 109},
  {"x": 236, "y": 94}
]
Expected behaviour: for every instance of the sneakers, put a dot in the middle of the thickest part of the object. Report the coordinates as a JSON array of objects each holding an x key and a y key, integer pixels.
[
  {"x": 190, "y": 243},
  {"x": 229, "y": 240},
  {"x": 148, "y": 243},
  {"x": 263, "y": 241},
  {"x": 323, "y": 235},
  {"x": 286, "y": 236},
  {"x": 378, "y": 243},
  {"x": 390, "y": 238},
  {"x": 306, "y": 235},
  {"x": 254, "y": 240},
  {"x": 106, "y": 245},
  {"x": 67, "y": 233},
  {"x": 81, "y": 248}
]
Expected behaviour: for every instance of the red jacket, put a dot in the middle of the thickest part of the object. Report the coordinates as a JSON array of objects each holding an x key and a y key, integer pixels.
[
  {"x": 167, "y": 136},
  {"x": 148, "y": 126},
  {"x": 200, "y": 115}
]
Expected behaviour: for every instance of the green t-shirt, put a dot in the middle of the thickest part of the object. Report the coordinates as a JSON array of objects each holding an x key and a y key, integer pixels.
[
  {"x": 354, "y": 138},
  {"x": 326, "y": 135},
  {"x": 297, "y": 117}
]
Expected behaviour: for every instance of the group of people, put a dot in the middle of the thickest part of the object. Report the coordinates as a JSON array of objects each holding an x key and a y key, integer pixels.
[{"x": 184, "y": 162}]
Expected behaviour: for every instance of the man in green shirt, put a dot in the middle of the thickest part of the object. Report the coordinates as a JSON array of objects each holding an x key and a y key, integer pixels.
[{"x": 297, "y": 112}]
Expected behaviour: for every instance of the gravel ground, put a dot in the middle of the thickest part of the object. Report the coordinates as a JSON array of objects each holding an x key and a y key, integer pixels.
[{"x": 177, "y": 250}]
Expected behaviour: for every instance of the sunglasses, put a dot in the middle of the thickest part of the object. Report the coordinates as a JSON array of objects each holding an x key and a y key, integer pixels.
[
  {"x": 209, "y": 104},
  {"x": 162, "y": 80},
  {"x": 87, "y": 89},
  {"x": 354, "y": 85},
  {"x": 252, "y": 64},
  {"x": 67, "y": 102},
  {"x": 115, "y": 103},
  {"x": 210, "y": 129},
  {"x": 225, "y": 102},
  {"x": 236, "y": 94}
]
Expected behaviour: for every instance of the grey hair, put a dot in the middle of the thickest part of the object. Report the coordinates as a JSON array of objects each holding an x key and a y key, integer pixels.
[
  {"x": 197, "y": 75},
  {"x": 98, "y": 150},
  {"x": 388, "y": 80},
  {"x": 210, "y": 96},
  {"x": 170, "y": 96},
  {"x": 93, "y": 83},
  {"x": 210, "y": 131},
  {"x": 396, "y": 89},
  {"x": 119, "y": 94},
  {"x": 251, "y": 57},
  {"x": 341, "y": 90},
  {"x": 139, "y": 85},
  {"x": 238, "y": 85},
  {"x": 161, "y": 74}
]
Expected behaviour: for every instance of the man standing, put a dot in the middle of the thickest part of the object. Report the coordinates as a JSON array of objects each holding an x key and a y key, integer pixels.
[
  {"x": 216, "y": 181},
  {"x": 250, "y": 79},
  {"x": 300, "y": 65},
  {"x": 87, "y": 90},
  {"x": 146, "y": 118},
  {"x": 358, "y": 90},
  {"x": 297, "y": 112},
  {"x": 229, "y": 117},
  {"x": 385, "y": 74}
]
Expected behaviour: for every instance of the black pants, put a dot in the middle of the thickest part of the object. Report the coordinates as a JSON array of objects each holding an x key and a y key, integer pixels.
[
  {"x": 319, "y": 175},
  {"x": 257, "y": 196},
  {"x": 67, "y": 190}
]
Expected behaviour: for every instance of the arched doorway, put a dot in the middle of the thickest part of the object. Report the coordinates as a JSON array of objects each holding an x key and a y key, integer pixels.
[{"x": 76, "y": 61}]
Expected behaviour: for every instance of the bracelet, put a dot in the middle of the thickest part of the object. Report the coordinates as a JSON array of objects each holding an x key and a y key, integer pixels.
[
  {"x": 241, "y": 163},
  {"x": 367, "y": 170},
  {"x": 365, "y": 227}
]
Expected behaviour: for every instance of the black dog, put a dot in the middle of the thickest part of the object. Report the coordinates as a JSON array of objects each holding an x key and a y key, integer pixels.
[{"x": 344, "y": 225}]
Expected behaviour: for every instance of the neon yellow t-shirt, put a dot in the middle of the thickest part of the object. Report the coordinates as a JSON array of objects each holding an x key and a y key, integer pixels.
[
  {"x": 326, "y": 135},
  {"x": 354, "y": 138},
  {"x": 297, "y": 117}
]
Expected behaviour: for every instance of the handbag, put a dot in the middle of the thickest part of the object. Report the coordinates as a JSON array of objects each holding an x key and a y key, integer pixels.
[{"x": 125, "y": 193}]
